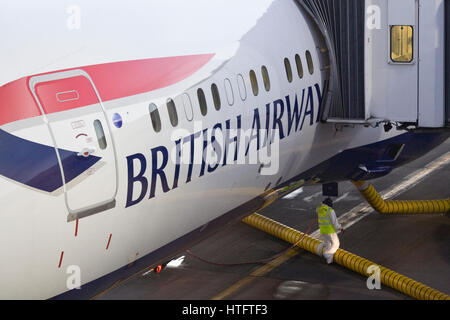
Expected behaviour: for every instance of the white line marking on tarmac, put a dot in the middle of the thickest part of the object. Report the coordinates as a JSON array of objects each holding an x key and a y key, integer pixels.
[
  {"x": 175, "y": 263},
  {"x": 293, "y": 194},
  {"x": 147, "y": 272},
  {"x": 310, "y": 198},
  {"x": 362, "y": 210},
  {"x": 342, "y": 197}
]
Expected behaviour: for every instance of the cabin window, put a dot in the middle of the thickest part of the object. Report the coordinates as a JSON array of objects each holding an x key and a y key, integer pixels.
[
  {"x": 154, "y": 116},
  {"x": 216, "y": 96},
  {"x": 241, "y": 87},
  {"x": 310, "y": 62},
  {"x": 298, "y": 62},
  {"x": 266, "y": 79},
  {"x": 100, "y": 134},
  {"x": 229, "y": 91},
  {"x": 287, "y": 66},
  {"x": 187, "y": 104},
  {"x": 172, "y": 110},
  {"x": 202, "y": 101},
  {"x": 254, "y": 82}
]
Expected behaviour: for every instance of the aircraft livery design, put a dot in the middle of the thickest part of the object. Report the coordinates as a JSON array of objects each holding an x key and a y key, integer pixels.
[{"x": 296, "y": 113}]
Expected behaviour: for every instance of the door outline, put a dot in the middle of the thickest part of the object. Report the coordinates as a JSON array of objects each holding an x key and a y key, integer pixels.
[{"x": 98, "y": 207}]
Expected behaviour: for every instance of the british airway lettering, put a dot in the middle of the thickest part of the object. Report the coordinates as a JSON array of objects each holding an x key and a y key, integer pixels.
[{"x": 299, "y": 111}]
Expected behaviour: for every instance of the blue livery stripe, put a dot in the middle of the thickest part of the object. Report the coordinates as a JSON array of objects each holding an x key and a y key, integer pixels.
[{"x": 36, "y": 165}]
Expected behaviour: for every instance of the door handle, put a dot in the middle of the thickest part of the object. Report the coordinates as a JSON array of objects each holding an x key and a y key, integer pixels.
[{"x": 86, "y": 152}]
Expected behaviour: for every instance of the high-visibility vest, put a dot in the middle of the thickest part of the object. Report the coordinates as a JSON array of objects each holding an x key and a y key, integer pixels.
[{"x": 325, "y": 224}]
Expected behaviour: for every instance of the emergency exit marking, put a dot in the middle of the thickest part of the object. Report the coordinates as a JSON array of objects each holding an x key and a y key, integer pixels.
[
  {"x": 109, "y": 240},
  {"x": 80, "y": 135},
  {"x": 78, "y": 124},
  {"x": 67, "y": 96},
  {"x": 60, "y": 259},
  {"x": 76, "y": 228}
]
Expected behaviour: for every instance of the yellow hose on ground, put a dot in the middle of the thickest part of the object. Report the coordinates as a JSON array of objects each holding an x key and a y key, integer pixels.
[
  {"x": 401, "y": 206},
  {"x": 346, "y": 259}
]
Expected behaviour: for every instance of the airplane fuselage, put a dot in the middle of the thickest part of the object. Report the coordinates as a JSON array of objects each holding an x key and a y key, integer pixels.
[{"x": 109, "y": 162}]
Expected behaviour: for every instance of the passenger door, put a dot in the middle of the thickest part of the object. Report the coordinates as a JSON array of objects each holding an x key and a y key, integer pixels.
[{"x": 83, "y": 141}]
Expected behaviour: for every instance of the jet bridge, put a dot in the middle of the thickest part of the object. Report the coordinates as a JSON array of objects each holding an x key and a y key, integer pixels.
[{"x": 390, "y": 61}]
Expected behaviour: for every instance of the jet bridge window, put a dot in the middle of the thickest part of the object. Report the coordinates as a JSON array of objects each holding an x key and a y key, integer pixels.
[
  {"x": 287, "y": 66},
  {"x": 154, "y": 116},
  {"x": 216, "y": 96},
  {"x": 265, "y": 75},
  {"x": 172, "y": 110},
  {"x": 202, "y": 101},
  {"x": 254, "y": 82},
  {"x": 402, "y": 44},
  {"x": 298, "y": 62},
  {"x": 310, "y": 62}
]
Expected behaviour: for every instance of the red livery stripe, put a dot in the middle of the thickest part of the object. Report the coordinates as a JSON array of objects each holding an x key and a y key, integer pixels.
[
  {"x": 112, "y": 80},
  {"x": 122, "y": 79},
  {"x": 17, "y": 102}
]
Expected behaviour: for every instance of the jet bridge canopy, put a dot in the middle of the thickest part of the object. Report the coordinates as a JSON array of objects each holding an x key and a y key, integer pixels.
[
  {"x": 388, "y": 61},
  {"x": 342, "y": 23}
]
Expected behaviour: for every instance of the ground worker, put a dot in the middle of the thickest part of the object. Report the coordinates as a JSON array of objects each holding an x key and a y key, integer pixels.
[{"x": 328, "y": 225}]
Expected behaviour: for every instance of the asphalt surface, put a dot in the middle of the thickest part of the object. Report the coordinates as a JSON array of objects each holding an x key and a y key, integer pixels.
[{"x": 415, "y": 246}]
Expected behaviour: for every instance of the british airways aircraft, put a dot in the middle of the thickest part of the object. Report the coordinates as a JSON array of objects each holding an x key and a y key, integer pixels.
[{"x": 122, "y": 127}]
